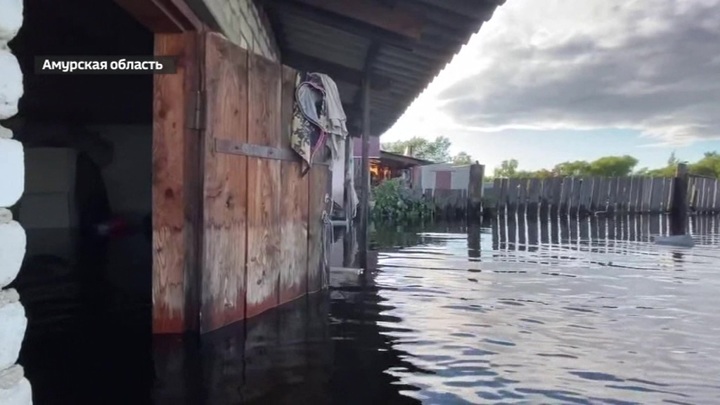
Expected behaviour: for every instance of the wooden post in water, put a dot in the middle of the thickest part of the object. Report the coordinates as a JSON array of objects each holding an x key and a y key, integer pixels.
[
  {"x": 475, "y": 192},
  {"x": 347, "y": 196},
  {"x": 363, "y": 236},
  {"x": 679, "y": 201}
]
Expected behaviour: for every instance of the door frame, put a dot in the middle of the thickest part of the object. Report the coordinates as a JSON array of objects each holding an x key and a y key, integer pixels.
[{"x": 177, "y": 166}]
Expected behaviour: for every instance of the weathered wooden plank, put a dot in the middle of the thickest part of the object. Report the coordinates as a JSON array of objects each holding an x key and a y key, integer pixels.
[
  {"x": 176, "y": 191},
  {"x": 691, "y": 192},
  {"x": 633, "y": 193},
  {"x": 612, "y": 194},
  {"x": 511, "y": 196},
  {"x": 706, "y": 195},
  {"x": 597, "y": 190},
  {"x": 264, "y": 186},
  {"x": 294, "y": 205},
  {"x": 497, "y": 193},
  {"x": 657, "y": 186},
  {"x": 475, "y": 191},
  {"x": 585, "y": 193},
  {"x": 565, "y": 192},
  {"x": 503, "y": 197},
  {"x": 625, "y": 193},
  {"x": 225, "y": 188},
  {"x": 318, "y": 180},
  {"x": 659, "y": 191},
  {"x": 575, "y": 195},
  {"x": 667, "y": 194},
  {"x": 555, "y": 195},
  {"x": 534, "y": 196},
  {"x": 716, "y": 196},
  {"x": 647, "y": 194},
  {"x": 522, "y": 195},
  {"x": 544, "y": 204}
]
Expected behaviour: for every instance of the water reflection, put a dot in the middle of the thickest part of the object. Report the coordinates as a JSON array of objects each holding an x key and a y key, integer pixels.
[
  {"x": 514, "y": 310},
  {"x": 572, "y": 312}
]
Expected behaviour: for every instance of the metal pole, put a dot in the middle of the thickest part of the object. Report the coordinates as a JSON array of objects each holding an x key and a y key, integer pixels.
[{"x": 364, "y": 213}]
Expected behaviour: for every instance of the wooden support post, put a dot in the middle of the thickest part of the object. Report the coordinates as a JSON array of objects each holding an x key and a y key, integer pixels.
[
  {"x": 176, "y": 190},
  {"x": 363, "y": 235},
  {"x": 347, "y": 184},
  {"x": 679, "y": 201},
  {"x": 475, "y": 192}
]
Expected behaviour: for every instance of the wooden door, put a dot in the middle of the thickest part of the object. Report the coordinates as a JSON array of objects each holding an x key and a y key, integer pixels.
[
  {"x": 225, "y": 184},
  {"x": 260, "y": 214},
  {"x": 443, "y": 180}
]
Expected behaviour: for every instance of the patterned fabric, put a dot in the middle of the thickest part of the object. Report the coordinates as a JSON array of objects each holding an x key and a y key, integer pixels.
[{"x": 310, "y": 118}]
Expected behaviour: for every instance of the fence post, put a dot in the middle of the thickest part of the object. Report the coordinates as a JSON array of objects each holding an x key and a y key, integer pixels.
[
  {"x": 475, "y": 192},
  {"x": 679, "y": 201}
]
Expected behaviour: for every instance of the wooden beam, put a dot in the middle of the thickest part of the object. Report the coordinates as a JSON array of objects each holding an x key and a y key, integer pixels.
[
  {"x": 373, "y": 13},
  {"x": 342, "y": 73},
  {"x": 176, "y": 190},
  {"x": 679, "y": 201},
  {"x": 162, "y": 16},
  {"x": 364, "y": 211}
]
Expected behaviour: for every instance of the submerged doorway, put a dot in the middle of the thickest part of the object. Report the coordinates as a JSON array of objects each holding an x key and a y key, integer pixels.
[{"x": 85, "y": 282}]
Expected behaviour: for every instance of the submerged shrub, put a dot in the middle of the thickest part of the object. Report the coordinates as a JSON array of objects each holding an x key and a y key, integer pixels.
[{"x": 396, "y": 203}]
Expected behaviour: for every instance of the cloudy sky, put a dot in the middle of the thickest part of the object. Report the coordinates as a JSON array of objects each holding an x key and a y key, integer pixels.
[{"x": 555, "y": 80}]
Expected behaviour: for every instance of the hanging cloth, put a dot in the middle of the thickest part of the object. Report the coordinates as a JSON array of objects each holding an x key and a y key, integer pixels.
[
  {"x": 335, "y": 123},
  {"x": 308, "y": 133}
]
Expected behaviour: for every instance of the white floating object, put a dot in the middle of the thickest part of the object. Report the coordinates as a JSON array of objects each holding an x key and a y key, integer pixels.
[
  {"x": 674, "y": 240},
  {"x": 14, "y": 323},
  {"x": 15, "y": 389}
]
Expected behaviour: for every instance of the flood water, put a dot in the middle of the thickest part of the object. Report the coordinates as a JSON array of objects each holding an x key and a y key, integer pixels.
[{"x": 577, "y": 312}]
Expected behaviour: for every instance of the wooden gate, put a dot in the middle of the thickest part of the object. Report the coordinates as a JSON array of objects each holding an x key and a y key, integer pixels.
[
  {"x": 261, "y": 241},
  {"x": 260, "y": 231}
]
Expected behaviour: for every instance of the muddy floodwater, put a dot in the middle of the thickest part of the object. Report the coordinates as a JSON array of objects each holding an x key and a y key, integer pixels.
[{"x": 514, "y": 311}]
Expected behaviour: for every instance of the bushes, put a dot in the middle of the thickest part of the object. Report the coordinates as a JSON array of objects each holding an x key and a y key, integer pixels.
[{"x": 395, "y": 203}]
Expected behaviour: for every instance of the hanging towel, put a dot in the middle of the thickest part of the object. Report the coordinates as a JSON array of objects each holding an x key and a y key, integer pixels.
[{"x": 335, "y": 125}]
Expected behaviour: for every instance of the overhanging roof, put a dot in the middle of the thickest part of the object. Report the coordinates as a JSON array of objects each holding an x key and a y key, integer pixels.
[
  {"x": 401, "y": 44},
  {"x": 403, "y": 160}
]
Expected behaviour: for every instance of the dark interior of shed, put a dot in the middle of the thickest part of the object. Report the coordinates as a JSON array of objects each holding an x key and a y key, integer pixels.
[{"x": 86, "y": 279}]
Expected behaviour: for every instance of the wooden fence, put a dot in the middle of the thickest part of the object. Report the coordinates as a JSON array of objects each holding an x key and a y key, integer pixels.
[
  {"x": 525, "y": 234},
  {"x": 585, "y": 195}
]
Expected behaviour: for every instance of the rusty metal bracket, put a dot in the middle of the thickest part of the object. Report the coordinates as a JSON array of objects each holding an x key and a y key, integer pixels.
[{"x": 232, "y": 147}]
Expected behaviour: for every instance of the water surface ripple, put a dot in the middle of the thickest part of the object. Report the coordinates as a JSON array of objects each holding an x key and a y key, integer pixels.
[{"x": 525, "y": 314}]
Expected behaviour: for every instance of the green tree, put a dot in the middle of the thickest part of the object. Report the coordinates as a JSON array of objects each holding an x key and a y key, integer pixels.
[
  {"x": 709, "y": 165},
  {"x": 576, "y": 168},
  {"x": 462, "y": 158},
  {"x": 436, "y": 150},
  {"x": 507, "y": 168},
  {"x": 613, "y": 166}
]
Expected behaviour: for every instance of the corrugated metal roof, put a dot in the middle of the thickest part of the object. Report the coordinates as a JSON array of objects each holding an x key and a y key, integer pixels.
[{"x": 448, "y": 25}]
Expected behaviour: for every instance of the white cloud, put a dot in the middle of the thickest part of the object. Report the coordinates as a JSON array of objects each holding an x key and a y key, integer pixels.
[{"x": 649, "y": 65}]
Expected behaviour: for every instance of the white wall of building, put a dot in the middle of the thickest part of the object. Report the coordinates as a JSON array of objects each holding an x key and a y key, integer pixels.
[
  {"x": 460, "y": 177},
  {"x": 14, "y": 387}
]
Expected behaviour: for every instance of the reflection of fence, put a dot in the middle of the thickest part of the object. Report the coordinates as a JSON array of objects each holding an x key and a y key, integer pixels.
[
  {"x": 574, "y": 195},
  {"x": 522, "y": 233}
]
